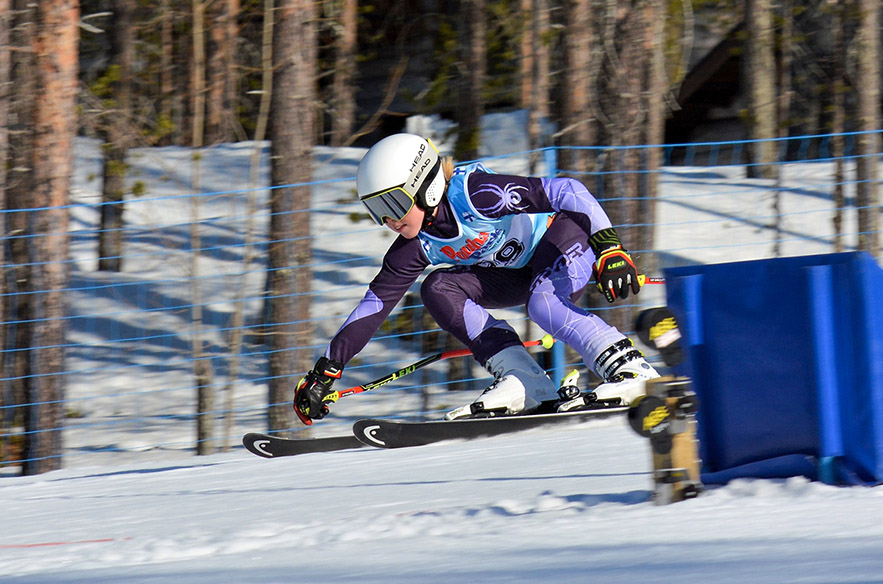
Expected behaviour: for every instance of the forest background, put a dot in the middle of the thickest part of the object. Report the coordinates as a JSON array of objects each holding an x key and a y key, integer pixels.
[{"x": 301, "y": 73}]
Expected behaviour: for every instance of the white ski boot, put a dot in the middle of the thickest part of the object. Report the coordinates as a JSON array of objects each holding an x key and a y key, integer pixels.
[
  {"x": 624, "y": 370},
  {"x": 520, "y": 386}
]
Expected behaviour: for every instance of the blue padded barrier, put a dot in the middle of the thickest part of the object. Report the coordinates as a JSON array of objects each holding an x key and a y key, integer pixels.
[{"x": 786, "y": 356}]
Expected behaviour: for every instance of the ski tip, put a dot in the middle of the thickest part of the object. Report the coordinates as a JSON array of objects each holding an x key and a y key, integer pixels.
[
  {"x": 367, "y": 432},
  {"x": 256, "y": 444}
]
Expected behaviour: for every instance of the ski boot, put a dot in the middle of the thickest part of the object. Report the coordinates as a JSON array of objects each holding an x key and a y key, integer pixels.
[
  {"x": 520, "y": 386},
  {"x": 624, "y": 370}
]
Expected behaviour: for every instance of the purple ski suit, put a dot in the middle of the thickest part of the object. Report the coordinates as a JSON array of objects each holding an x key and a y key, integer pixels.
[{"x": 555, "y": 266}]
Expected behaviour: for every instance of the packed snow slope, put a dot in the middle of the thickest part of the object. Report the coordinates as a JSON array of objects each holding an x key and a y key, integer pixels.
[{"x": 564, "y": 504}]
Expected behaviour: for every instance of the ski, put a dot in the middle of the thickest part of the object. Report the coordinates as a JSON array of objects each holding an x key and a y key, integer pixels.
[
  {"x": 268, "y": 446},
  {"x": 382, "y": 433}
]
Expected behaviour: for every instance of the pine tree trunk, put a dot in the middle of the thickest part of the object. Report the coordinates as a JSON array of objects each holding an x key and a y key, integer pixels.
[
  {"x": 657, "y": 88},
  {"x": 867, "y": 147},
  {"x": 343, "y": 108},
  {"x": 783, "y": 109},
  {"x": 625, "y": 35},
  {"x": 761, "y": 71},
  {"x": 202, "y": 370},
  {"x": 526, "y": 52},
  {"x": 116, "y": 131},
  {"x": 166, "y": 71},
  {"x": 55, "y": 48},
  {"x": 535, "y": 72},
  {"x": 292, "y": 128},
  {"x": 221, "y": 115},
  {"x": 838, "y": 116},
  {"x": 5, "y": 95},
  {"x": 249, "y": 253},
  {"x": 577, "y": 88},
  {"x": 19, "y": 186},
  {"x": 472, "y": 77}
]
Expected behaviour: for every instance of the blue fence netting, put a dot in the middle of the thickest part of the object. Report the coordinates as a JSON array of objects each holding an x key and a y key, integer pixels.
[{"x": 128, "y": 371}]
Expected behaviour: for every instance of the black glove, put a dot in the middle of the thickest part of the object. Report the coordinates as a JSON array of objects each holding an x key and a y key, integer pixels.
[
  {"x": 311, "y": 398},
  {"x": 614, "y": 269}
]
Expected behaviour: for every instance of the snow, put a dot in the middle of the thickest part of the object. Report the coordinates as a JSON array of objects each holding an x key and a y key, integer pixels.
[
  {"x": 567, "y": 504},
  {"x": 562, "y": 504}
]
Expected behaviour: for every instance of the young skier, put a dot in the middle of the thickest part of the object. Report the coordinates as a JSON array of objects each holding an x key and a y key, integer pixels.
[{"x": 511, "y": 241}]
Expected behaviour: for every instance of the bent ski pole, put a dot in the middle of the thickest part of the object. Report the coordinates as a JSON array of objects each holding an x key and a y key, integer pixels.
[{"x": 547, "y": 341}]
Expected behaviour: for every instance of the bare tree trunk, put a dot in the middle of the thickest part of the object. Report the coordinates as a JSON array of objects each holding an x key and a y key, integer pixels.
[
  {"x": 535, "y": 72},
  {"x": 55, "y": 48},
  {"x": 221, "y": 117},
  {"x": 783, "y": 70},
  {"x": 473, "y": 70},
  {"x": 116, "y": 132},
  {"x": 577, "y": 88},
  {"x": 526, "y": 52},
  {"x": 5, "y": 96},
  {"x": 622, "y": 108},
  {"x": 19, "y": 186},
  {"x": 868, "y": 119},
  {"x": 184, "y": 80},
  {"x": 783, "y": 107},
  {"x": 655, "y": 92},
  {"x": 202, "y": 371},
  {"x": 838, "y": 116},
  {"x": 761, "y": 73},
  {"x": 249, "y": 251},
  {"x": 166, "y": 71},
  {"x": 343, "y": 108},
  {"x": 293, "y": 115}
]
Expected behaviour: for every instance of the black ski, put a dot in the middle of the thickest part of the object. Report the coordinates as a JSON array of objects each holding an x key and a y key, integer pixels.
[
  {"x": 273, "y": 446},
  {"x": 400, "y": 434}
]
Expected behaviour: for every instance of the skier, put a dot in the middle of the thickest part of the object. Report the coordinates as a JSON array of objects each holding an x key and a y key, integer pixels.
[{"x": 512, "y": 241}]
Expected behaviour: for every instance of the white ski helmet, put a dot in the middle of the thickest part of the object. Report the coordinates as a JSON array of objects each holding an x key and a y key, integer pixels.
[{"x": 396, "y": 173}]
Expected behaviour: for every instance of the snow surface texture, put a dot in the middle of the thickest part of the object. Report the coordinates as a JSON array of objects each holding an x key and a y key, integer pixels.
[{"x": 569, "y": 504}]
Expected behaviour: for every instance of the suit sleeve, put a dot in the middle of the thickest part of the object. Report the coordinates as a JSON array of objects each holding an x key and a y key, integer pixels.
[{"x": 402, "y": 265}]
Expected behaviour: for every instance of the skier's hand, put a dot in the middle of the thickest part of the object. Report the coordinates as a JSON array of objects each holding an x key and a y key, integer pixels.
[
  {"x": 614, "y": 269},
  {"x": 313, "y": 392}
]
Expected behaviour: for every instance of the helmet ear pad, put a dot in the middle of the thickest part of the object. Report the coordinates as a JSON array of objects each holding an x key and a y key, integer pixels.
[{"x": 430, "y": 197}]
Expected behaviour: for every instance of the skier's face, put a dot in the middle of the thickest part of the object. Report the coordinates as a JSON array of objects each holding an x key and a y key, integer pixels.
[{"x": 409, "y": 226}]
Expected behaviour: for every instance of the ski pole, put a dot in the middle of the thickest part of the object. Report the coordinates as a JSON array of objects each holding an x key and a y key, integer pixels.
[
  {"x": 547, "y": 341},
  {"x": 644, "y": 279}
]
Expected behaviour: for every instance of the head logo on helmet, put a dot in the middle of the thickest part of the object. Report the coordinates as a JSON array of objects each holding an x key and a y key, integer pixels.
[{"x": 398, "y": 172}]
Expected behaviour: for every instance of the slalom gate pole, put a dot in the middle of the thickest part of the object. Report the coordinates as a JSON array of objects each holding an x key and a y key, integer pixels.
[{"x": 547, "y": 341}]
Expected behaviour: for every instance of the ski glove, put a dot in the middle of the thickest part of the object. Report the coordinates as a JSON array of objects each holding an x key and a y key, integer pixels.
[
  {"x": 313, "y": 392},
  {"x": 614, "y": 269}
]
